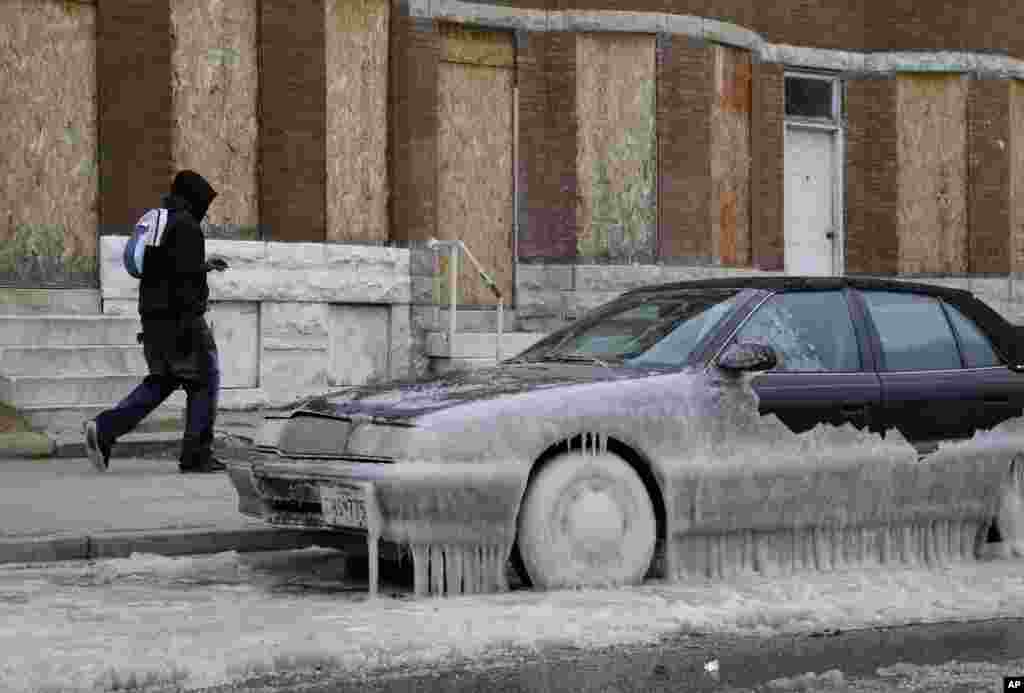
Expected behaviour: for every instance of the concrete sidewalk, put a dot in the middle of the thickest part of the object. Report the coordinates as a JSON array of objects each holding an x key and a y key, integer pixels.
[{"x": 63, "y": 509}]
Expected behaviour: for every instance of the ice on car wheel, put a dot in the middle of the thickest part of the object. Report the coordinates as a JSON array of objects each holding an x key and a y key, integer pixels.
[{"x": 586, "y": 520}]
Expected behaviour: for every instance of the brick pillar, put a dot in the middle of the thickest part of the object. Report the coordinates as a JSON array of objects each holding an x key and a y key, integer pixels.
[
  {"x": 136, "y": 110},
  {"x": 989, "y": 175},
  {"x": 872, "y": 177},
  {"x": 767, "y": 177},
  {"x": 293, "y": 124},
  {"x": 546, "y": 73},
  {"x": 685, "y": 88},
  {"x": 413, "y": 130}
]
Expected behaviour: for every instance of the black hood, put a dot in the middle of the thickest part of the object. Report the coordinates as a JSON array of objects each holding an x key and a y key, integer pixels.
[{"x": 195, "y": 191}]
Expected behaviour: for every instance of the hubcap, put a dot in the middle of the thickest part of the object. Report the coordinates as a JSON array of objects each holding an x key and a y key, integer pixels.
[{"x": 593, "y": 522}]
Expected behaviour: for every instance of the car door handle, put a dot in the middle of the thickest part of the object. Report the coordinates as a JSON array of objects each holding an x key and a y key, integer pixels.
[
  {"x": 853, "y": 409},
  {"x": 997, "y": 401}
]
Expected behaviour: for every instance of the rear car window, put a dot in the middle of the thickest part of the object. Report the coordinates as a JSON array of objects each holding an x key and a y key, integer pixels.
[
  {"x": 914, "y": 331},
  {"x": 974, "y": 345},
  {"x": 809, "y": 331}
]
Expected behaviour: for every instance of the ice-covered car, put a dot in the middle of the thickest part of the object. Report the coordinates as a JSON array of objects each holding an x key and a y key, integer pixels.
[{"x": 581, "y": 455}]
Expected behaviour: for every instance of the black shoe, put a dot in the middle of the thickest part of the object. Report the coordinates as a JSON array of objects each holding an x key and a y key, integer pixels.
[
  {"x": 209, "y": 466},
  {"x": 99, "y": 454}
]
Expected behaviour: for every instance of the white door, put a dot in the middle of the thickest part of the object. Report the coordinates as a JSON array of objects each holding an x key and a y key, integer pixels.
[{"x": 811, "y": 234}]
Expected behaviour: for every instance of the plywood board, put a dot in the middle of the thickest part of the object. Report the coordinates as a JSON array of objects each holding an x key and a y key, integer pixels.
[
  {"x": 730, "y": 156},
  {"x": 616, "y": 159},
  {"x": 49, "y": 190},
  {"x": 215, "y": 89},
  {"x": 932, "y": 156},
  {"x": 475, "y": 172},
  {"x": 357, "y": 79},
  {"x": 1017, "y": 176}
]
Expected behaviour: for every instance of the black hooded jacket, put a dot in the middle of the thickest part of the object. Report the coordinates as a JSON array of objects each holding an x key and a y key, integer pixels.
[{"x": 173, "y": 285}]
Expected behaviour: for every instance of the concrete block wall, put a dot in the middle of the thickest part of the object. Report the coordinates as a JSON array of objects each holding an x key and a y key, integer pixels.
[{"x": 293, "y": 319}]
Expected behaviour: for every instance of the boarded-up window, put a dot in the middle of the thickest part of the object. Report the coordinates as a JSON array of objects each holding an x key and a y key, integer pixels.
[
  {"x": 1017, "y": 174},
  {"x": 730, "y": 156},
  {"x": 215, "y": 94},
  {"x": 617, "y": 162},
  {"x": 932, "y": 217},
  {"x": 475, "y": 181},
  {"x": 48, "y": 146},
  {"x": 357, "y": 78}
]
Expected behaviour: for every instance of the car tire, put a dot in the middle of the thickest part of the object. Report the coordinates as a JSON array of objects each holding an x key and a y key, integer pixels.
[{"x": 586, "y": 521}]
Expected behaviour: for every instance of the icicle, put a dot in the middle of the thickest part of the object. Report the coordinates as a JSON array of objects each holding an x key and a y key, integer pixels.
[
  {"x": 373, "y": 557},
  {"x": 436, "y": 570},
  {"x": 503, "y": 555},
  {"x": 491, "y": 563},
  {"x": 835, "y": 548},
  {"x": 453, "y": 569},
  {"x": 472, "y": 566},
  {"x": 421, "y": 567}
]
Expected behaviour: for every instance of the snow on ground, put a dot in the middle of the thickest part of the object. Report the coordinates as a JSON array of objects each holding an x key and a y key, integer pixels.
[{"x": 199, "y": 621}]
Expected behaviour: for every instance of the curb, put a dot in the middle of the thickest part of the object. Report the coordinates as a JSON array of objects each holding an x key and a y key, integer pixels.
[
  {"x": 27, "y": 444},
  {"x": 146, "y": 445},
  {"x": 169, "y": 542},
  {"x": 161, "y": 445}
]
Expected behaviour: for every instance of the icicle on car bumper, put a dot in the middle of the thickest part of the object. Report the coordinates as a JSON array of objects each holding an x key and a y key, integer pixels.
[{"x": 458, "y": 521}]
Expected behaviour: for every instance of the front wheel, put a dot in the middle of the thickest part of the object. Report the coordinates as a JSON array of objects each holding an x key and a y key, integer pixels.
[{"x": 586, "y": 521}]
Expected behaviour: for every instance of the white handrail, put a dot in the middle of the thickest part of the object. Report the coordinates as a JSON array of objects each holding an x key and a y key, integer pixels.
[{"x": 454, "y": 248}]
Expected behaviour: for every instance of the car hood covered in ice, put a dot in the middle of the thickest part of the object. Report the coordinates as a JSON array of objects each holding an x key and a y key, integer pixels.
[{"x": 415, "y": 398}]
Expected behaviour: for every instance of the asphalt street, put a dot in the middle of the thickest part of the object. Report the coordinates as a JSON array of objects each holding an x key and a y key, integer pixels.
[{"x": 872, "y": 660}]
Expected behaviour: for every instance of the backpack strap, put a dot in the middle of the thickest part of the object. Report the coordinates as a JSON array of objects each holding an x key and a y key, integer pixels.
[{"x": 161, "y": 224}]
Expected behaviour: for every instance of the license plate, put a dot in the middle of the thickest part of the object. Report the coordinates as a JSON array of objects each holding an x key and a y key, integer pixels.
[{"x": 343, "y": 506}]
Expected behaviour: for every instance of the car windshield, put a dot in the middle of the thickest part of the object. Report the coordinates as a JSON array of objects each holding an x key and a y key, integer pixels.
[{"x": 646, "y": 330}]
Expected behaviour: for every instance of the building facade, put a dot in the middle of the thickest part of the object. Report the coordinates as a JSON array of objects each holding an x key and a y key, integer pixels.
[{"x": 824, "y": 136}]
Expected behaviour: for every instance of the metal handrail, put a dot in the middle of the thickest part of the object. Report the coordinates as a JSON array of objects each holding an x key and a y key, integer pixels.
[{"x": 455, "y": 247}]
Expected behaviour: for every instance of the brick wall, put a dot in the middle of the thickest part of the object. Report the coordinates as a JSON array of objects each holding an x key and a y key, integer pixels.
[
  {"x": 685, "y": 87},
  {"x": 412, "y": 162},
  {"x": 848, "y": 24},
  {"x": 546, "y": 65},
  {"x": 767, "y": 158},
  {"x": 872, "y": 177},
  {"x": 989, "y": 174},
  {"x": 293, "y": 129},
  {"x": 135, "y": 109}
]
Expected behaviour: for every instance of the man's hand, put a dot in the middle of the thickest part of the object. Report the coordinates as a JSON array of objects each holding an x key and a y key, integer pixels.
[{"x": 216, "y": 264}]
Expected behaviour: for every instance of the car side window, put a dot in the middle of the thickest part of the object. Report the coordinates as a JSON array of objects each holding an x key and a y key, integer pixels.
[
  {"x": 974, "y": 345},
  {"x": 914, "y": 331},
  {"x": 809, "y": 330}
]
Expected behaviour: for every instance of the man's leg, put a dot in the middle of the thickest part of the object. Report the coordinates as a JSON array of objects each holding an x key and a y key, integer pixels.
[
  {"x": 201, "y": 412},
  {"x": 103, "y": 432}
]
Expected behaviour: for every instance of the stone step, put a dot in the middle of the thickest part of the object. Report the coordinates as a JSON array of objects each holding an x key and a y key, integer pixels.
[
  {"x": 472, "y": 345},
  {"x": 65, "y": 390},
  {"x": 168, "y": 417},
  {"x": 72, "y": 360},
  {"x": 49, "y": 301},
  {"x": 440, "y": 365},
  {"x": 68, "y": 330},
  {"x": 466, "y": 320}
]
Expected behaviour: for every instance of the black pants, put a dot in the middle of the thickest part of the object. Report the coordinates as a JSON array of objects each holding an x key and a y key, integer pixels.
[{"x": 176, "y": 357}]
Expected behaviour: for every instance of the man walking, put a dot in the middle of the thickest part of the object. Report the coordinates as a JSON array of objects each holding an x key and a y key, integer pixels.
[{"x": 179, "y": 347}]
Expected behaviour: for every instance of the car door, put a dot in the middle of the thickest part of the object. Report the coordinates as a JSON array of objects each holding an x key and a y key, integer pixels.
[
  {"x": 927, "y": 393},
  {"x": 825, "y": 372},
  {"x": 998, "y": 391}
]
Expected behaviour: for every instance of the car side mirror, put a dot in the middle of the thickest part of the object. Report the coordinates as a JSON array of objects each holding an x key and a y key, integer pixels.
[{"x": 748, "y": 357}]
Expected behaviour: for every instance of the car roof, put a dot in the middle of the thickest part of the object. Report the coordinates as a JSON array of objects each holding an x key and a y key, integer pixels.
[{"x": 779, "y": 282}]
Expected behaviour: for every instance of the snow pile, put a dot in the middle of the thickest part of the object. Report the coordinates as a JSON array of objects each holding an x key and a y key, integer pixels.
[{"x": 64, "y": 629}]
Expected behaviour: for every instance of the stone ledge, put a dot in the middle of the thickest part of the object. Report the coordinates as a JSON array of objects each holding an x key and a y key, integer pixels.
[{"x": 271, "y": 271}]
